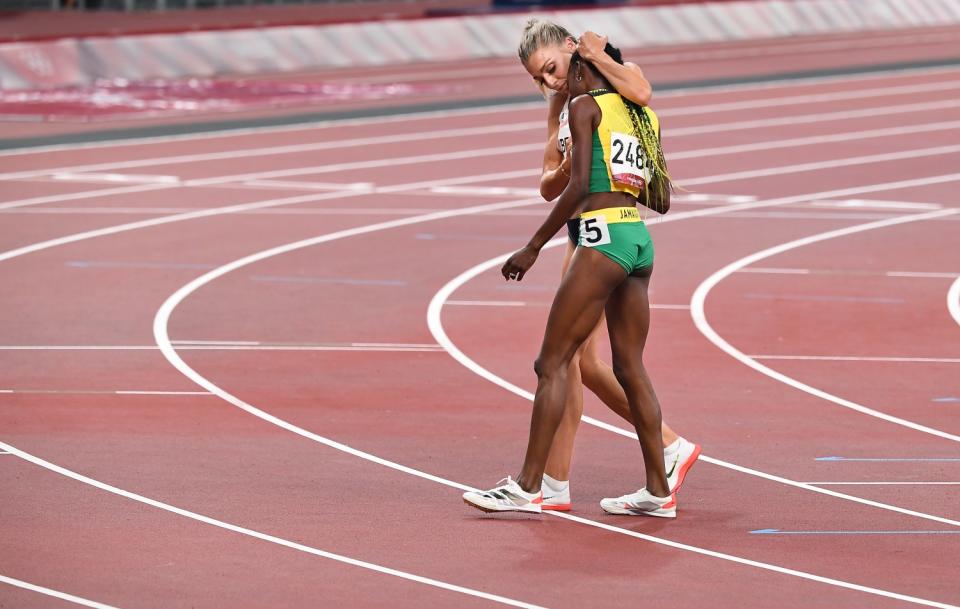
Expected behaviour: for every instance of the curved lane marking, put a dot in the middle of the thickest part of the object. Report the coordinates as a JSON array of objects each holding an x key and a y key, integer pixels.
[
  {"x": 203, "y": 213},
  {"x": 161, "y": 335},
  {"x": 700, "y": 319},
  {"x": 262, "y": 536},
  {"x": 439, "y": 333},
  {"x": 54, "y": 593},
  {"x": 953, "y": 300}
]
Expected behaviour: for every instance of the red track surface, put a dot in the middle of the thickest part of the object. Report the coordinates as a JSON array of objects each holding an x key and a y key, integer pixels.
[{"x": 422, "y": 409}]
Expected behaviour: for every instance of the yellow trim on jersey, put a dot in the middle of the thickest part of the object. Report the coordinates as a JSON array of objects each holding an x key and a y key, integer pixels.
[
  {"x": 614, "y": 119},
  {"x": 614, "y": 215}
]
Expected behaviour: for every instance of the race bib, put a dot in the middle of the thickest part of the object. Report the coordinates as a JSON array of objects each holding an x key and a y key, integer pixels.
[
  {"x": 563, "y": 133},
  {"x": 594, "y": 231},
  {"x": 628, "y": 162}
]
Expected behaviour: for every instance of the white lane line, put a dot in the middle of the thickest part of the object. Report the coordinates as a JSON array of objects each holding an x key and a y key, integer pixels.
[
  {"x": 230, "y": 180},
  {"x": 921, "y": 275},
  {"x": 467, "y": 179},
  {"x": 817, "y": 140},
  {"x": 440, "y": 298},
  {"x": 953, "y": 300},
  {"x": 790, "y": 271},
  {"x": 123, "y": 178},
  {"x": 700, "y": 320},
  {"x": 215, "y": 211},
  {"x": 854, "y": 358},
  {"x": 217, "y": 342},
  {"x": 365, "y": 186},
  {"x": 262, "y": 536},
  {"x": 226, "y": 346},
  {"x": 101, "y": 392},
  {"x": 54, "y": 593},
  {"x": 86, "y": 194},
  {"x": 677, "y": 132},
  {"x": 344, "y": 348},
  {"x": 818, "y": 165},
  {"x": 161, "y": 325},
  {"x": 140, "y": 392},
  {"x": 419, "y": 579},
  {"x": 486, "y": 191},
  {"x": 429, "y": 134},
  {"x": 876, "y": 204},
  {"x": 822, "y": 117},
  {"x": 883, "y": 483}
]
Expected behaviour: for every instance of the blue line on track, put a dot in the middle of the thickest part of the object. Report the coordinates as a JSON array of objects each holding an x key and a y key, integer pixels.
[
  {"x": 938, "y": 459},
  {"x": 779, "y": 532}
]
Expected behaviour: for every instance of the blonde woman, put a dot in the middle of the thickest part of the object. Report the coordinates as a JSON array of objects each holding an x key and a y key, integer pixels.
[{"x": 545, "y": 52}]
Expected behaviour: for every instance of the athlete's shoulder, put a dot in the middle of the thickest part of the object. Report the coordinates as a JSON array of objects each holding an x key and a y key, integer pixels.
[{"x": 583, "y": 103}]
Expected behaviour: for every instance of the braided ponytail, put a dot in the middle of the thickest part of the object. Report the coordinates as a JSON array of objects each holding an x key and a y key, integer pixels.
[{"x": 660, "y": 183}]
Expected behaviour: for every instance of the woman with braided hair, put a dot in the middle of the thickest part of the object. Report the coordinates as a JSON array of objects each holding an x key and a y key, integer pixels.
[
  {"x": 616, "y": 163},
  {"x": 545, "y": 51}
]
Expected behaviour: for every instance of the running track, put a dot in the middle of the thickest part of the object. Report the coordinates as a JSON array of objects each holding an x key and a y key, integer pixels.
[{"x": 309, "y": 442}]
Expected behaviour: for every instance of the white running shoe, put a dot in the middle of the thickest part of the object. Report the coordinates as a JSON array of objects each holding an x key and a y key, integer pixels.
[
  {"x": 641, "y": 503},
  {"x": 679, "y": 462},
  {"x": 507, "y": 497},
  {"x": 557, "y": 501}
]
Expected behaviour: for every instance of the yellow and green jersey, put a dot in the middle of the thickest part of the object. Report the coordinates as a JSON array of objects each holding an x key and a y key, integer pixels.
[{"x": 620, "y": 163}]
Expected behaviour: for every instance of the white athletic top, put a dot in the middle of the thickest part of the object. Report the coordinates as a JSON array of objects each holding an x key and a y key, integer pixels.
[{"x": 563, "y": 134}]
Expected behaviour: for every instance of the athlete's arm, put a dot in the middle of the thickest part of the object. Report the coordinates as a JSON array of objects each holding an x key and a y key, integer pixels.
[
  {"x": 584, "y": 118},
  {"x": 556, "y": 168},
  {"x": 657, "y": 201},
  {"x": 627, "y": 79}
]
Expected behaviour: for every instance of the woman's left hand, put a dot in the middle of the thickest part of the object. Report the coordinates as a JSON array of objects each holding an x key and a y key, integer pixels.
[
  {"x": 518, "y": 264},
  {"x": 591, "y": 46}
]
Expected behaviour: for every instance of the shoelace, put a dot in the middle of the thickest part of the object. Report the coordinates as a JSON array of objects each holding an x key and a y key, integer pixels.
[
  {"x": 502, "y": 494},
  {"x": 494, "y": 494}
]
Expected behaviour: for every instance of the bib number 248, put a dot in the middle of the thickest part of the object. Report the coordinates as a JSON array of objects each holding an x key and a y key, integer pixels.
[{"x": 594, "y": 231}]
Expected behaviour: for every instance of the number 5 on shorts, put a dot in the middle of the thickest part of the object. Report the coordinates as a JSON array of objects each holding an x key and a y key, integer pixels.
[{"x": 594, "y": 231}]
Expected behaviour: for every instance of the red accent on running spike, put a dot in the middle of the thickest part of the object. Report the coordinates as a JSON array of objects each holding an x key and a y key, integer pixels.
[{"x": 685, "y": 467}]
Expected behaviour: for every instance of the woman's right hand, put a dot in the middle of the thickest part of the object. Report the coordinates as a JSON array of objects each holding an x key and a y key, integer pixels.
[{"x": 518, "y": 264}]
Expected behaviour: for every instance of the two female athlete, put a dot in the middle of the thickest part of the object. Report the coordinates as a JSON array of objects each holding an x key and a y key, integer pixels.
[{"x": 621, "y": 161}]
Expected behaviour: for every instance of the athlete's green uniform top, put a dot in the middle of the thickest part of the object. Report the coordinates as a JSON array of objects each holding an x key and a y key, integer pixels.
[{"x": 619, "y": 165}]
